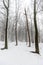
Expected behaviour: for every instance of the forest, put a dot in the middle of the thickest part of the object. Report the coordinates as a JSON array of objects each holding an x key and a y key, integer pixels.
[{"x": 21, "y": 32}]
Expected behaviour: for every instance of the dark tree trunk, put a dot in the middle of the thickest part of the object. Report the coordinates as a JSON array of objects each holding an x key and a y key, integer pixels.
[
  {"x": 36, "y": 30},
  {"x": 7, "y": 10},
  {"x": 6, "y": 46}
]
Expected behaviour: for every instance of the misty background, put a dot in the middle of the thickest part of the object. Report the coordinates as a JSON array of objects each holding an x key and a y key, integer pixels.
[{"x": 21, "y": 24}]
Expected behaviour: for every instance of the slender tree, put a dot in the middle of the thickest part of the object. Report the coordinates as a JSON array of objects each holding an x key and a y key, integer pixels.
[
  {"x": 17, "y": 2},
  {"x": 7, "y": 10},
  {"x": 27, "y": 27},
  {"x": 16, "y": 22},
  {"x": 16, "y": 32}
]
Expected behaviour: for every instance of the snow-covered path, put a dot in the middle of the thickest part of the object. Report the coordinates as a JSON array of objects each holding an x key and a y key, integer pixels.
[{"x": 19, "y": 55}]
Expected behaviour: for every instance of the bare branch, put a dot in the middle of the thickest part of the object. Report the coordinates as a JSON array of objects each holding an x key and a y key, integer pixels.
[
  {"x": 2, "y": 13},
  {"x": 5, "y": 5}
]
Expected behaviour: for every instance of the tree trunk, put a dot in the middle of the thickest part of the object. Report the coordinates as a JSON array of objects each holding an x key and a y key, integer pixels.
[
  {"x": 6, "y": 46},
  {"x": 28, "y": 33},
  {"x": 27, "y": 26},
  {"x": 7, "y": 10},
  {"x": 16, "y": 21},
  {"x": 36, "y": 30},
  {"x": 16, "y": 34}
]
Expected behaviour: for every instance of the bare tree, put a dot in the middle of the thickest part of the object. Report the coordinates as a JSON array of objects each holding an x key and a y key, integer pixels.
[
  {"x": 16, "y": 23},
  {"x": 7, "y": 10},
  {"x": 37, "y": 9},
  {"x": 36, "y": 30},
  {"x": 27, "y": 28},
  {"x": 17, "y": 9}
]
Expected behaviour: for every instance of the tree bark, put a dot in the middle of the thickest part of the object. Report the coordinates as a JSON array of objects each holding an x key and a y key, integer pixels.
[
  {"x": 6, "y": 46},
  {"x": 36, "y": 30}
]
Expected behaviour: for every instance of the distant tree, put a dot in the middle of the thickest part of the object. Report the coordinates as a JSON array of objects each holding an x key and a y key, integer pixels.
[
  {"x": 16, "y": 23},
  {"x": 27, "y": 29},
  {"x": 31, "y": 26},
  {"x": 17, "y": 19}
]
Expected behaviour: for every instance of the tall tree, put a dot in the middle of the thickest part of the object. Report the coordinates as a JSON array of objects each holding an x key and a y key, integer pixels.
[
  {"x": 27, "y": 28},
  {"x": 7, "y": 10},
  {"x": 16, "y": 22},
  {"x": 36, "y": 30},
  {"x": 17, "y": 9}
]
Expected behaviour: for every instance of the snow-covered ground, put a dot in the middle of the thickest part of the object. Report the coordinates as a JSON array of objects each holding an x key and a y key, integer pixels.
[{"x": 20, "y": 55}]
